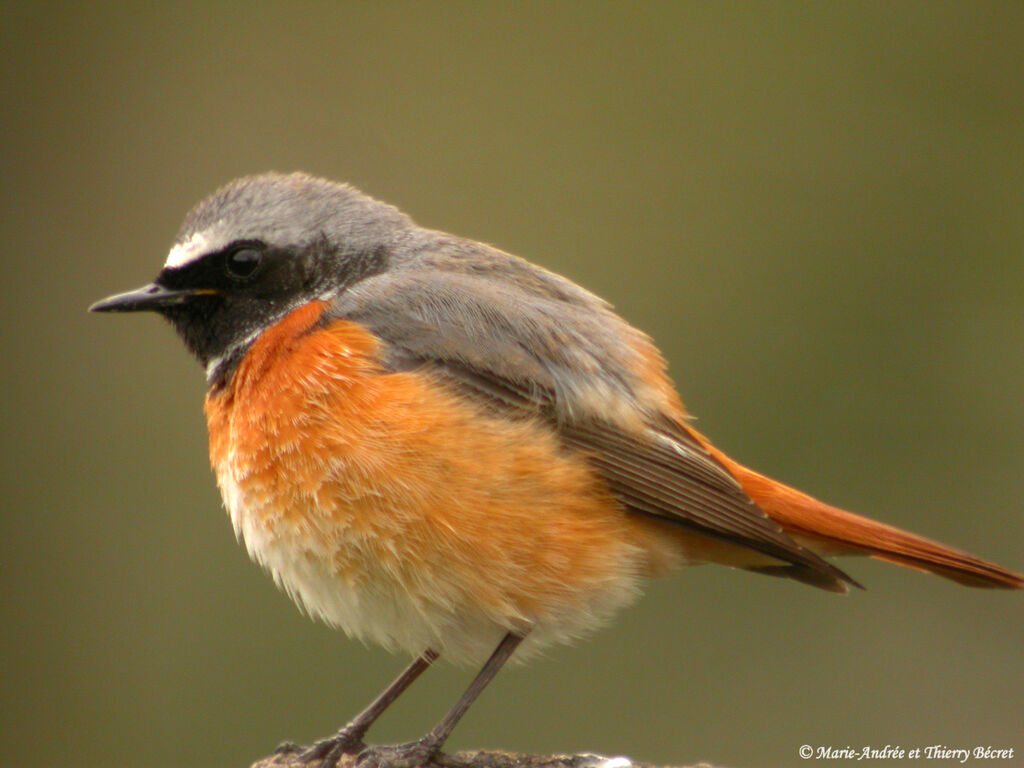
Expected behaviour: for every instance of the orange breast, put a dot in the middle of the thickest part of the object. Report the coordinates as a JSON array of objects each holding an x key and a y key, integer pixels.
[{"x": 388, "y": 506}]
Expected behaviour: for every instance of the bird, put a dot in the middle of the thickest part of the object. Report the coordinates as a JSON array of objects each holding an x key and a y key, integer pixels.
[{"x": 444, "y": 449}]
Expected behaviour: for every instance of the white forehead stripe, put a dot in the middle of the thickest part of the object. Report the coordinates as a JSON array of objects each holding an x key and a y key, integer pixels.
[{"x": 190, "y": 250}]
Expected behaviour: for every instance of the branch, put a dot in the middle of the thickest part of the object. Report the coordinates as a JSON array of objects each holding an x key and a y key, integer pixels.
[{"x": 286, "y": 756}]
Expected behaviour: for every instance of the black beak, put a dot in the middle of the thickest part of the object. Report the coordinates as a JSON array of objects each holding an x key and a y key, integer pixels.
[{"x": 148, "y": 298}]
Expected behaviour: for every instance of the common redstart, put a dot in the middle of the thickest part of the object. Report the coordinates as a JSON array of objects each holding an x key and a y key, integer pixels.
[{"x": 442, "y": 448}]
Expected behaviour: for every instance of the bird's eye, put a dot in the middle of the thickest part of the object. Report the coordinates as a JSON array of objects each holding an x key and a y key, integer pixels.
[{"x": 242, "y": 262}]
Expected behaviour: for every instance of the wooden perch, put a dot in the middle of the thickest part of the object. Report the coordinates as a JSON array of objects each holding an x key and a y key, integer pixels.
[{"x": 286, "y": 757}]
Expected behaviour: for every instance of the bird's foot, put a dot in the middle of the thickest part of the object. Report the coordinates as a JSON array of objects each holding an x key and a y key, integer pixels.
[
  {"x": 412, "y": 755},
  {"x": 327, "y": 752}
]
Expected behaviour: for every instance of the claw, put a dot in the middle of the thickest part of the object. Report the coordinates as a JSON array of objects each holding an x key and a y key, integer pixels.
[
  {"x": 327, "y": 752},
  {"x": 287, "y": 747}
]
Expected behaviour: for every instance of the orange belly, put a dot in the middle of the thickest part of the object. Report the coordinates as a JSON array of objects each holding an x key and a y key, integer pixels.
[{"x": 407, "y": 516}]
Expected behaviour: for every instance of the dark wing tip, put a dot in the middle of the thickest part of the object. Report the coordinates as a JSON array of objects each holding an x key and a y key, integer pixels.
[{"x": 831, "y": 580}]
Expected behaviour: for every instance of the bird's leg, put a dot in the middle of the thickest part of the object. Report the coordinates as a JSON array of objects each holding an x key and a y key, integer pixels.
[
  {"x": 418, "y": 753},
  {"x": 350, "y": 738}
]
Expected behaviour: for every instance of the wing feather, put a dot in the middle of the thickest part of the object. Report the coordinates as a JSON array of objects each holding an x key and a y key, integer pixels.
[{"x": 541, "y": 354}]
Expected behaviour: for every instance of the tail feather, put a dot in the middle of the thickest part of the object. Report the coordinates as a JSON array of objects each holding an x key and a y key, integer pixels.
[{"x": 833, "y": 531}]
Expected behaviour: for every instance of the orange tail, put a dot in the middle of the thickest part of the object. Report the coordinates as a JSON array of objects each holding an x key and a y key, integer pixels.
[{"x": 833, "y": 531}]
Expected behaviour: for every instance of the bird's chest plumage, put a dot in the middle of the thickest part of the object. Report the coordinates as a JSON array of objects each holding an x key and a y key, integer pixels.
[
  {"x": 296, "y": 445},
  {"x": 387, "y": 506}
]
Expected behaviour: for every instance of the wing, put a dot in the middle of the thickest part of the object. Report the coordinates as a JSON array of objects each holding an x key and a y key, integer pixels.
[{"x": 530, "y": 344}]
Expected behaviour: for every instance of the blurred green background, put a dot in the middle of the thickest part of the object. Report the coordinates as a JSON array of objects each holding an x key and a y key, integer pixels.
[{"x": 815, "y": 208}]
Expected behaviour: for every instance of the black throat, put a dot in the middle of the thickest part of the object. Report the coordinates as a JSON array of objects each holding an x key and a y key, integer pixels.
[{"x": 220, "y": 327}]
